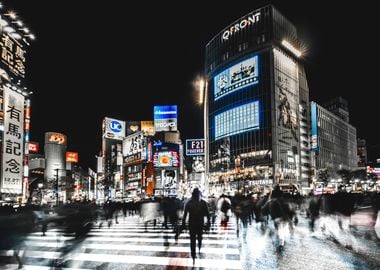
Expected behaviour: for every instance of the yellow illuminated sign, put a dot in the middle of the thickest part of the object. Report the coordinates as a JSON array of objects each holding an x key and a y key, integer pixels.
[{"x": 57, "y": 138}]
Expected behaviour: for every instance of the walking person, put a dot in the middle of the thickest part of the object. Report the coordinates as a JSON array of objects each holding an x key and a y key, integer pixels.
[
  {"x": 224, "y": 207},
  {"x": 197, "y": 209}
]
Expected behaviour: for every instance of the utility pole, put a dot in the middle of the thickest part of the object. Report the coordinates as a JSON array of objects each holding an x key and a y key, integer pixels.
[{"x": 56, "y": 183}]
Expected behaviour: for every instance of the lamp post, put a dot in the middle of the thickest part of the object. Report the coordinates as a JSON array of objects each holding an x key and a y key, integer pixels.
[
  {"x": 57, "y": 183},
  {"x": 202, "y": 89}
]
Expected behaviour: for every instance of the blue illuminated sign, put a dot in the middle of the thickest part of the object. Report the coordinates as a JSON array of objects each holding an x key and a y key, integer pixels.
[
  {"x": 237, "y": 120},
  {"x": 314, "y": 127},
  {"x": 238, "y": 76},
  {"x": 115, "y": 126},
  {"x": 165, "y": 118},
  {"x": 165, "y": 112}
]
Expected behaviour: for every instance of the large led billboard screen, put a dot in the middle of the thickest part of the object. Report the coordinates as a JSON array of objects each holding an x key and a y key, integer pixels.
[
  {"x": 239, "y": 119},
  {"x": 165, "y": 118},
  {"x": 166, "y": 159},
  {"x": 240, "y": 75}
]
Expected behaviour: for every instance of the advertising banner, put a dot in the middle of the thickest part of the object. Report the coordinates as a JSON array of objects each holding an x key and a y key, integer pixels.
[
  {"x": 287, "y": 115},
  {"x": 314, "y": 127},
  {"x": 13, "y": 56},
  {"x": 13, "y": 142},
  {"x": 195, "y": 147},
  {"x": 240, "y": 75},
  {"x": 166, "y": 159},
  {"x": 165, "y": 118},
  {"x": 33, "y": 147},
  {"x": 148, "y": 128},
  {"x": 135, "y": 144},
  {"x": 113, "y": 129},
  {"x": 133, "y": 127},
  {"x": 198, "y": 164},
  {"x": 55, "y": 138},
  {"x": 72, "y": 157}
]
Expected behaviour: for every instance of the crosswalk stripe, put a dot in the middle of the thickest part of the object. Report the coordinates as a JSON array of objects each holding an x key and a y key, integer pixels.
[
  {"x": 106, "y": 232},
  {"x": 129, "y": 243},
  {"x": 37, "y": 267},
  {"x": 147, "y": 260},
  {"x": 129, "y": 247},
  {"x": 151, "y": 260},
  {"x": 135, "y": 239}
]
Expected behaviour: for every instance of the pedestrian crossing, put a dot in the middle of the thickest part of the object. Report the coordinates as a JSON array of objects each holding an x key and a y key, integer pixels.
[{"x": 127, "y": 245}]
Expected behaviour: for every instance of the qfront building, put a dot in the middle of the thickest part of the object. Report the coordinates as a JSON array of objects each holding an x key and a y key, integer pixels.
[{"x": 257, "y": 105}]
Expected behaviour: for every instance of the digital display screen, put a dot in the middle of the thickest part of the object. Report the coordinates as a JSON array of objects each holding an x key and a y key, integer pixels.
[
  {"x": 240, "y": 75},
  {"x": 239, "y": 119},
  {"x": 314, "y": 127},
  {"x": 166, "y": 159},
  {"x": 165, "y": 118}
]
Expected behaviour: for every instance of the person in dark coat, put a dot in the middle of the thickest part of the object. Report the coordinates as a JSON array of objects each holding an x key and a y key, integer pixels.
[{"x": 197, "y": 209}]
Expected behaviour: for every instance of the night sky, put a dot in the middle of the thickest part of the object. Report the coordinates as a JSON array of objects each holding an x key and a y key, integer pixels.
[{"x": 93, "y": 59}]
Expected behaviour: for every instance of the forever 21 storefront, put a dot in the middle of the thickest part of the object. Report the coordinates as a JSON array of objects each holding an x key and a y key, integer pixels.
[{"x": 257, "y": 105}]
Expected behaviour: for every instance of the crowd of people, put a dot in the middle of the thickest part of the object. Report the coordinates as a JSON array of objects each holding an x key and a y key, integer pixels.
[{"x": 196, "y": 215}]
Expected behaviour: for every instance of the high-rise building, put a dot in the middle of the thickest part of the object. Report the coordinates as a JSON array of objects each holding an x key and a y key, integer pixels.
[
  {"x": 338, "y": 106},
  {"x": 14, "y": 107},
  {"x": 257, "y": 104},
  {"x": 362, "y": 153},
  {"x": 334, "y": 141},
  {"x": 55, "y": 157}
]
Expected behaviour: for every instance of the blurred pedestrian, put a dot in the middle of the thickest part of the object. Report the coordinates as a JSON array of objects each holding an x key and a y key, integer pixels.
[
  {"x": 197, "y": 209},
  {"x": 224, "y": 206}
]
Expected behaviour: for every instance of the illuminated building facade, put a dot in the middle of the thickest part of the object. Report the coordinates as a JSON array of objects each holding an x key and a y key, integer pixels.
[
  {"x": 55, "y": 164},
  {"x": 257, "y": 105},
  {"x": 14, "y": 107}
]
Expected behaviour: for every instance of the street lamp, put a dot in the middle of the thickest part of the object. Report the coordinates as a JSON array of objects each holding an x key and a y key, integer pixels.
[
  {"x": 202, "y": 88},
  {"x": 57, "y": 183}
]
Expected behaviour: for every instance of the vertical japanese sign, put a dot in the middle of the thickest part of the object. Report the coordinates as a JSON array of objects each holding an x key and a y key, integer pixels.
[
  {"x": 13, "y": 144},
  {"x": 12, "y": 55}
]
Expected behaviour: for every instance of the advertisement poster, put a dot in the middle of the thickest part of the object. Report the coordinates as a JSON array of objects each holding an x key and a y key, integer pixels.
[{"x": 165, "y": 118}]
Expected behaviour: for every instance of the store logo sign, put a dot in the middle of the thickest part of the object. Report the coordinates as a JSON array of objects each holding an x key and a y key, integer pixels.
[
  {"x": 115, "y": 126},
  {"x": 245, "y": 22}
]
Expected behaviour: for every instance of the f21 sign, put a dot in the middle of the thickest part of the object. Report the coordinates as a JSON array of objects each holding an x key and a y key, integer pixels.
[{"x": 195, "y": 147}]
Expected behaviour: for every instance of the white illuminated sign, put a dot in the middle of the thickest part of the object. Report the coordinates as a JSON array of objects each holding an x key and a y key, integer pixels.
[
  {"x": 113, "y": 129},
  {"x": 249, "y": 20},
  {"x": 13, "y": 142}
]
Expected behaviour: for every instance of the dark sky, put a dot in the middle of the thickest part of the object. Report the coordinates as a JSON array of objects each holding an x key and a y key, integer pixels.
[{"x": 93, "y": 59}]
